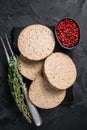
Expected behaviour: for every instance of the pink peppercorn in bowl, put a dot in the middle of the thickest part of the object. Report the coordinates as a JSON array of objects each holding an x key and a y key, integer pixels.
[{"x": 67, "y": 33}]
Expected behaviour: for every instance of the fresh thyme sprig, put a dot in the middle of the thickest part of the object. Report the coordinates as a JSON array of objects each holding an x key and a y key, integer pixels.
[{"x": 15, "y": 83}]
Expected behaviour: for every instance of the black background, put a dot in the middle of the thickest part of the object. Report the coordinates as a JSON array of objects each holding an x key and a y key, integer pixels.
[{"x": 16, "y": 13}]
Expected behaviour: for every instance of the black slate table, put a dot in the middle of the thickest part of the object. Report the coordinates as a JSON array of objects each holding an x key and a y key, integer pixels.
[{"x": 16, "y": 13}]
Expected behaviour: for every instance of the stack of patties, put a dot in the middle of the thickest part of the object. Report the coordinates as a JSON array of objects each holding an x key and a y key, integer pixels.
[{"x": 51, "y": 73}]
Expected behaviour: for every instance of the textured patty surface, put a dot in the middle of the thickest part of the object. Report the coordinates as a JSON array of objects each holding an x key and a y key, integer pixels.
[
  {"x": 36, "y": 42},
  {"x": 29, "y": 69},
  {"x": 60, "y": 70},
  {"x": 43, "y": 96}
]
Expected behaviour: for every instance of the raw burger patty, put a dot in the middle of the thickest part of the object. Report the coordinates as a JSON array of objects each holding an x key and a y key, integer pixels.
[
  {"x": 36, "y": 42},
  {"x": 29, "y": 69},
  {"x": 43, "y": 96},
  {"x": 60, "y": 70}
]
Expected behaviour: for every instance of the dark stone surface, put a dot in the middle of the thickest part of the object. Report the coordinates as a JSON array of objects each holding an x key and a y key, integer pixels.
[{"x": 16, "y": 13}]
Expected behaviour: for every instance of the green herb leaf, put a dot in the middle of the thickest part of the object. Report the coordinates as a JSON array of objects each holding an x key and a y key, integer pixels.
[{"x": 15, "y": 83}]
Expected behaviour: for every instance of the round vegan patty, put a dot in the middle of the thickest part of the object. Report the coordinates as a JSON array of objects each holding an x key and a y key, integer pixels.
[
  {"x": 60, "y": 70},
  {"x": 43, "y": 96},
  {"x": 29, "y": 69},
  {"x": 36, "y": 42}
]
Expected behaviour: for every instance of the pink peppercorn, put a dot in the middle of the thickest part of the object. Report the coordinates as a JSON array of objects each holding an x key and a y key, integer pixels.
[{"x": 68, "y": 32}]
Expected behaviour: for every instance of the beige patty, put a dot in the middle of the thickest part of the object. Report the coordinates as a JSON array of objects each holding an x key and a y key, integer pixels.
[
  {"x": 60, "y": 70},
  {"x": 28, "y": 68},
  {"x": 43, "y": 96},
  {"x": 36, "y": 42}
]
